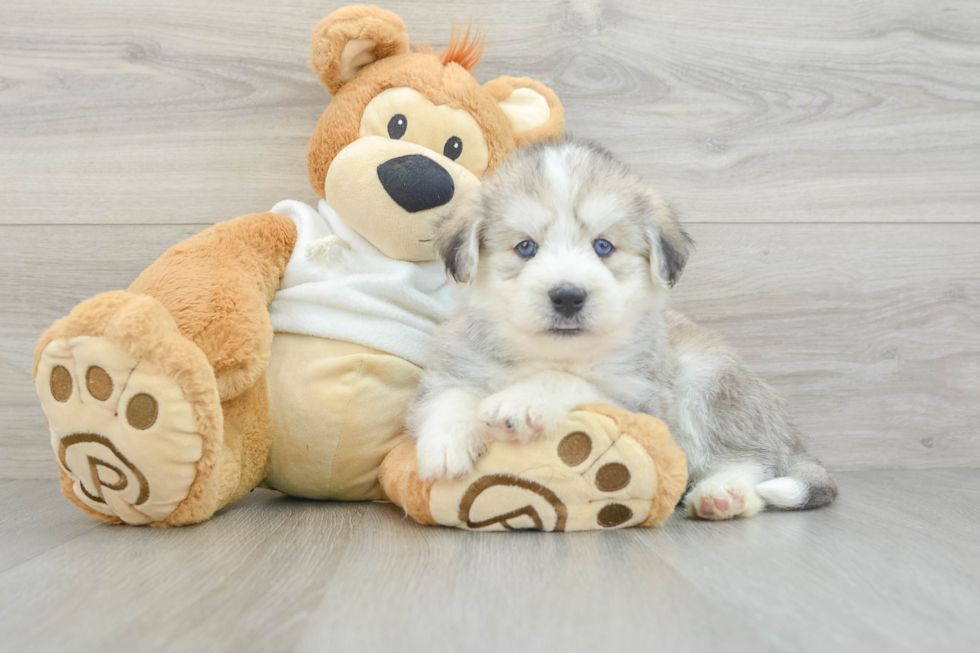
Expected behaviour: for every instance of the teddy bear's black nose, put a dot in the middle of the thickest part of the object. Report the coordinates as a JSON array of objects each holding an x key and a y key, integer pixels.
[{"x": 416, "y": 182}]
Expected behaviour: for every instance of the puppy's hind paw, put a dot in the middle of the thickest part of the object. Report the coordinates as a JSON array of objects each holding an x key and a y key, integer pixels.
[{"x": 718, "y": 500}]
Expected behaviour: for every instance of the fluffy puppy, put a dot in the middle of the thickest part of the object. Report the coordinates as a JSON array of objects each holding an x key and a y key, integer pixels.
[{"x": 565, "y": 259}]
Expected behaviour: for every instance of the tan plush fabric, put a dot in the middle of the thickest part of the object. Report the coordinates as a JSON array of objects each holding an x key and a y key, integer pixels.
[
  {"x": 447, "y": 84},
  {"x": 605, "y": 468},
  {"x": 247, "y": 440},
  {"x": 502, "y": 88},
  {"x": 443, "y": 85},
  {"x": 218, "y": 285},
  {"x": 122, "y": 432},
  {"x": 140, "y": 329},
  {"x": 205, "y": 330},
  {"x": 402, "y": 486},
  {"x": 670, "y": 461},
  {"x": 337, "y": 410},
  {"x": 383, "y": 30}
]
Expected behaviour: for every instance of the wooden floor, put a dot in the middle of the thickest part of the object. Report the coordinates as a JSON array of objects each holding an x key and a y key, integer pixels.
[{"x": 893, "y": 566}]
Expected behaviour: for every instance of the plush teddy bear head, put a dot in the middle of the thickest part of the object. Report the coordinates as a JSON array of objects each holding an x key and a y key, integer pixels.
[{"x": 408, "y": 132}]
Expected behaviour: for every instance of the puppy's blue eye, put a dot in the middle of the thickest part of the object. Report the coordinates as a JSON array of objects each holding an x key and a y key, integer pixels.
[
  {"x": 603, "y": 247},
  {"x": 526, "y": 248}
]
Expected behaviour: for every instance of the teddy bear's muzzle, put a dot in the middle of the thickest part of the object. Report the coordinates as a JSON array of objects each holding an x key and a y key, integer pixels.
[{"x": 392, "y": 192}]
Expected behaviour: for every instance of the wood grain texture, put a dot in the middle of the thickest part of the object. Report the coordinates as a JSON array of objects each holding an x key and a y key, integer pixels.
[
  {"x": 871, "y": 332},
  {"x": 138, "y": 112},
  {"x": 891, "y": 566},
  {"x": 244, "y": 581},
  {"x": 35, "y": 519},
  {"x": 452, "y": 591},
  {"x": 894, "y": 566}
]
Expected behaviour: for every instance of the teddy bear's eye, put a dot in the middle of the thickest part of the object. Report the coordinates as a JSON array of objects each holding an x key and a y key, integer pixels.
[
  {"x": 397, "y": 126},
  {"x": 453, "y": 148}
]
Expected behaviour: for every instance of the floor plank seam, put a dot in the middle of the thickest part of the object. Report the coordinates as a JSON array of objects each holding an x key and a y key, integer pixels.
[
  {"x": 810, "y": 223},
  {"x": 83, "y": 531}
]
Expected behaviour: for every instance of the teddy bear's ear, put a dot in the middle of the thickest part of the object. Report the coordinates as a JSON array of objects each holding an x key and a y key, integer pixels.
[
  {"x": 351, "y": 38},
  {"x": 533, "y": 109}
]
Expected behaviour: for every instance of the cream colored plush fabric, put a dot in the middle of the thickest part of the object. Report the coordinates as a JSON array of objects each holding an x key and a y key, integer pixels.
[
  {"x": 604, "y": 468},
  {"x": 554, "y": 484},
  {"x": 337, "y": 409},
  {"x": 121, "y": 430}
]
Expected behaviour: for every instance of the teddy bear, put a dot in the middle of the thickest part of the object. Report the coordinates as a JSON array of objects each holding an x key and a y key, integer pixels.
[{"x": 282, "y": 349}]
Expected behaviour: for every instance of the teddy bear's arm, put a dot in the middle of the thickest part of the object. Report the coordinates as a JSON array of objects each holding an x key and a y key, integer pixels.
[{"x": 218, "y": 285}]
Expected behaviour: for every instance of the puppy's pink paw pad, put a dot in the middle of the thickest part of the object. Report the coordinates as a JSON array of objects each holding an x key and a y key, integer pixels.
[
  {"x": 706, "y": 506},
  {"x": 717, "y": 503},
  {"x": 534, "y": 421}
]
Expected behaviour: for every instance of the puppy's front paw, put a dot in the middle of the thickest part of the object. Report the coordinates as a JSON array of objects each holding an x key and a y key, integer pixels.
[
  {"x": 521, "y": 413},
  {"x": 445, "y": 454}
]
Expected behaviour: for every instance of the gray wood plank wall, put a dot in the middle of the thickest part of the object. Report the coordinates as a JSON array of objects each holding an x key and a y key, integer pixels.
[{"x": 826, "y": 157}]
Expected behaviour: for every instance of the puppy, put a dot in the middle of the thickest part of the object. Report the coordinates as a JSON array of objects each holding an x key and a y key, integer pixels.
[{"x": 567, "y": 258}]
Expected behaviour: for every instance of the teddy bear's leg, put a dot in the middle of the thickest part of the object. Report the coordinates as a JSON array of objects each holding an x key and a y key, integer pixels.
[
  {"x": 155, "y": 396},
  {"x": 605, "y": 468},
  {"x": 338, "y": 408}
]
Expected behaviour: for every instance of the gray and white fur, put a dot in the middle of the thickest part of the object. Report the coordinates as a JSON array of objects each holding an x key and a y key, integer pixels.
[{"x": 584, "y": 317}]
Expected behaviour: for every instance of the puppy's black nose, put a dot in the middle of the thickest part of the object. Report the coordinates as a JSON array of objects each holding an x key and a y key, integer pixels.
[
  {"x": 416, "y": 182},
  {"x": 567, "y": 300}
]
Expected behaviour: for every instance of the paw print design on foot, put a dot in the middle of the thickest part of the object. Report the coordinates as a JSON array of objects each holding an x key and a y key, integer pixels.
[
  {"x": 127, "y": 440},
  {"x": 606, "y": 468}
]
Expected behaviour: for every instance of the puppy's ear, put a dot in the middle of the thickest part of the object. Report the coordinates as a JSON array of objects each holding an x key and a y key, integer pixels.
[
  {"x": 457, "y": 237},
  {"x": 670, "y": 245},
  {"x": 352, "y": 38}
]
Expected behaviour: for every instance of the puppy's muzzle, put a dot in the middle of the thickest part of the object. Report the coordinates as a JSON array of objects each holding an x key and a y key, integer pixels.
[
  {"x": 567, "y": 300},
  {"x": 416, "y": 182}
]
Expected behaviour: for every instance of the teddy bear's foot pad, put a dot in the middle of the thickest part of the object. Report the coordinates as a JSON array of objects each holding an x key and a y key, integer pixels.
[
  {"x": 578, "y": 481},
  {"x": 121, "y": 429},
  {"x": 605, "y": 468}
]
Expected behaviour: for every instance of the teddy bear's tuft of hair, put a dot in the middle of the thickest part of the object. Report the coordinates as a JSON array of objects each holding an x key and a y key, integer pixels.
[{"x": 465, "y": 48}]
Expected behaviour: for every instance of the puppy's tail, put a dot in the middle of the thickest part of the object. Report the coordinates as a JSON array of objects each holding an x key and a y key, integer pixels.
[{"x": 806, "y": 485}]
